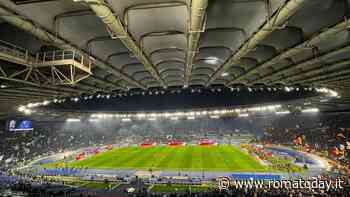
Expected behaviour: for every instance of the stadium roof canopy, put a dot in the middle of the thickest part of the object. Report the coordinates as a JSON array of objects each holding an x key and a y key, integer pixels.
[{"x": 62, "y": 48}]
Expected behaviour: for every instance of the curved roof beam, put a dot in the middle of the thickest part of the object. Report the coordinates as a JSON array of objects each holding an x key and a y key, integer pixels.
[
  {"x": 197, "y": 76},
  {"x": 278, "y": 19},
  {"x": 180, "y": 75},
  {"x": 97, "y": 39},
  {"x": 114, "y": 24},
  {"x": 168, "y": 70},
  {"x": 147, "y": 79},
  {"x": 158, "y": 34},
  {"x": 328, "y": 72},
  {"x": 173, "y": 59},
  {"x": 171, "y": 70},
  {"x": 170, "y": 60},
  {"x": 166, "y": 50},
  {"x": 197, "y": 24},
  {"x": 313, "y": 73},
  {"x": 125, "y": 66},
  {"x": 338, "y": 79},
  {"x": 239, "y": 68},
  {"x": 175, "y": 82},
  {"x": 140, "y": 72},
  {"x": 203, "y": 68},
  {"x": 117, "y": 54},
  {"x": 229, "y": 29},
  {"x": 215, "y": 47},
  {"x": 201, "y": 81},
  {"x": 306, "y": 63},
  {"x": 295, "y": 50},
  {"x": 174, "y": 76}
]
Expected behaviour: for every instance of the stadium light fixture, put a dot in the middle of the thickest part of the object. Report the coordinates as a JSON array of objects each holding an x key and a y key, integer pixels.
[
  {"x": 126, "y": 120},
  {"x": 152, "y": 119},
  {"x": 216, "y": 112},
  {"x": 225, "y": 74},
  {"x": 141, "y": 115},
  {"x": 73, "y": 120},
  {"x": 287, "y": 89},
  {"x": 191, "y": 118},
  {"x": 21, "y": 108},
  {"x": 282, "y": 112},
  {"x": 204, "y": 113},
  {"x": 27, "y": 111},
  {"x": 333, "y": 93},
  {"x": 243, "y": 115},
  {"x": 330, "y": 92},
  {"x": 46, "y": 103},
  {"x": 323, "y": 100},
  {"x": 212, "y": 60},
  {"x": 215, "y": 117},
  {"x": 310, "y": 110}
]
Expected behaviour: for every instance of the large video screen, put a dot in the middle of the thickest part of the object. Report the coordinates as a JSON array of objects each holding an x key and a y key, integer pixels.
[{"x": 20, "y": 125}]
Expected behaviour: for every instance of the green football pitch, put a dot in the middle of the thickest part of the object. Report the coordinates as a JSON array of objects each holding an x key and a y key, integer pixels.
[{"x": 192, "y": 158}]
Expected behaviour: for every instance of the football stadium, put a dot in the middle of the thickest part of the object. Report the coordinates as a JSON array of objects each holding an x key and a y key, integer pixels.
[{"x": 164, "y": 98}]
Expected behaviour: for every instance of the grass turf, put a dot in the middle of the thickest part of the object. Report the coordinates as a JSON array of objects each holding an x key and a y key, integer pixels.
[{"x": 192, "y": 158}]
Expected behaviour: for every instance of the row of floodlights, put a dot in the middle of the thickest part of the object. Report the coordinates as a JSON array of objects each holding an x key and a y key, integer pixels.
[
  {"x": 157, "y": 92},
  {"x": 194, "y": 90},
  {"x": 130, "y": 117},
  {"x": 330, "y": 93},
  {"x": 27, "y": 109},
  {"x": 238, "y": 111}
]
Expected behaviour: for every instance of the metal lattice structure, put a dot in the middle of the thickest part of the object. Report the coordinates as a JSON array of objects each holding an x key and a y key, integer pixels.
[{"x": 51, "y": 68}]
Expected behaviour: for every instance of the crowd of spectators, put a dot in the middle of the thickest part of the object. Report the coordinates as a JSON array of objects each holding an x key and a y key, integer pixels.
[
  {"x": 320, "y": 133},
  {"x": 21, "y": 147},
  {"x": 327, "y": 135}
]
